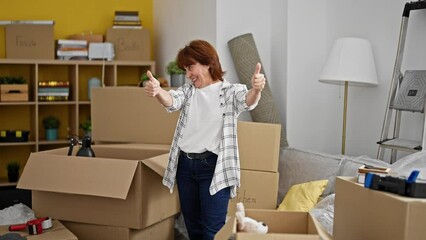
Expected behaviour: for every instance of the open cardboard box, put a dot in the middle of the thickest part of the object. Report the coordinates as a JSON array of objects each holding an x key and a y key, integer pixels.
[
  {"x": 363, "y": 213},
  {"x": 281, "y": 225},
  {"x": 121, "y": 186}
]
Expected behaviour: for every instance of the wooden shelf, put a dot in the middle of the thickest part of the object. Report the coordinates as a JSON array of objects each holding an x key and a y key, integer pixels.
[{"x": 29, "y": 115}]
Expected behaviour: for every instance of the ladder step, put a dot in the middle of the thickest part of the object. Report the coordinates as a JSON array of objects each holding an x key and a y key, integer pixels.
[{"x": 402, "y": 144}]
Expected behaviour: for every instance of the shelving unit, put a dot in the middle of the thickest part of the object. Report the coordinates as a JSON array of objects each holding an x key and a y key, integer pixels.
[{"x": 29, "y": 115}]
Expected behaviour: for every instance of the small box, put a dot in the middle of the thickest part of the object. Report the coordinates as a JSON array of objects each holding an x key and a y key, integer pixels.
[
  {"x": 281, "y": 225},
  {"x": 101, "y": 51},
  {"x": 30, "y": 41},
  {"x": 90, "y": 38},
  {"x": 363, "y": 213},
  {"x": 14, "y": 92},
  {"x": 130, "y": 44}
]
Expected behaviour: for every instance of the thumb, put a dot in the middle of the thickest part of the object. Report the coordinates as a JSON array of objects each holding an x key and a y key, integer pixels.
[
  {"x": 149, "y": 74},
  {"x": 258, "y": 68}
]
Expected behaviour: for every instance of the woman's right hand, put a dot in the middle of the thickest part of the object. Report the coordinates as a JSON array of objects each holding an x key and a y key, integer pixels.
[{"x": 152, "y": 88}]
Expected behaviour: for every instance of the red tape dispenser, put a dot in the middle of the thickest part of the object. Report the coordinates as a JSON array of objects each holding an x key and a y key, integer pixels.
[{"x": 34, "y": 227}]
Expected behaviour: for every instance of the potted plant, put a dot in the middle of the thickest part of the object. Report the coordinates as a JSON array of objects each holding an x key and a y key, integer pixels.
[
  {"x": 13, "y": 89},
  {"x": 86, "y": 126},
  {"x": 177, "y": 75},
  {"x": 13, "y": 171},
  {"x": 51, "y": 125}
]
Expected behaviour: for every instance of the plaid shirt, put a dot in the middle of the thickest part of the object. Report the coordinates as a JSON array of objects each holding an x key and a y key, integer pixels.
[{"x": 232, "y": 103}]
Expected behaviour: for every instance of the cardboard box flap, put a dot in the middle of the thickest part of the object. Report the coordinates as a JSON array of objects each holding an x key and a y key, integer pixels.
[
  {"x": 74, "y": 175},
  {"x": 158, "y": 164},
  {"x": 228, "y": 230},
  {"x": 126, "y": 114}
]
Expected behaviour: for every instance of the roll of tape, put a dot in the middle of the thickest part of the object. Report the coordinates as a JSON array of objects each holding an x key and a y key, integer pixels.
[{"x": 47, "y": 223}]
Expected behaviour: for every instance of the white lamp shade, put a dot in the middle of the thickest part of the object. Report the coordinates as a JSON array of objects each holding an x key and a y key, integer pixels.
[{"x": 351, "y": 60}]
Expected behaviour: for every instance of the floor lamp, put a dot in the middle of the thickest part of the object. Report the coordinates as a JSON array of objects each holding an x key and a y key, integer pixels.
[{"x": 350, "y": 63}]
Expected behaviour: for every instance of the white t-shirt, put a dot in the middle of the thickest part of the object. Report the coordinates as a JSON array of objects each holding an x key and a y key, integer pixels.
[{"x": 205, "y": 121}]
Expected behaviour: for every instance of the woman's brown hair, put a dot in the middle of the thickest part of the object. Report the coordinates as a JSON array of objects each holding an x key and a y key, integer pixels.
[{"x": 203, "y": 52}]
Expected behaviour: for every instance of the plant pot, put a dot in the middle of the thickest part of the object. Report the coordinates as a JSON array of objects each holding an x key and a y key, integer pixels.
[
  {"x": 13, "y": 176},
  {"x": 177, "y": 80},
  {"x": 51, "y": 134}
]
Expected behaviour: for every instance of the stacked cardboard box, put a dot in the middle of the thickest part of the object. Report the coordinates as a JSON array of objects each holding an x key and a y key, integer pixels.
[
  {"x": 120, "y": 192},
  {"x": 259, "y": 145}
]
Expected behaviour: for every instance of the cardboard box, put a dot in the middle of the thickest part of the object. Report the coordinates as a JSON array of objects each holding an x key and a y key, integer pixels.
[
  {"x": 163, "y": 230},
  {"x": 258, "y": 190},
  {"x": 57, "y": 232},
  {"x": 362, "y": 213},
  {"x": 281, "y": 225},
  {"x": 30, "y": 41},
  {"x": 90, "y": 38},
  {"x": 259, "y": 146},
  {"x": 13, "y": 92},
  {"x": 121, "y": 186},
  {"x": 130, "y": 44},
  {"x": 137, "y": 117}
]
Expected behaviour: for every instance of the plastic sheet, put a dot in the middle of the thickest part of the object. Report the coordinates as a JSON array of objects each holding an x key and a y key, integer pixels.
[
  {"x": 16, "y": 214},
  {"x": 324, "y": 213}
]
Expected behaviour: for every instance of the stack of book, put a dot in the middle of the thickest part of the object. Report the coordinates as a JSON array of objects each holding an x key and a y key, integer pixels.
[
  {"x": 72, "y": 49},
  {"x": 127, "y": 19},
  {"x": 53, "y": 91}
]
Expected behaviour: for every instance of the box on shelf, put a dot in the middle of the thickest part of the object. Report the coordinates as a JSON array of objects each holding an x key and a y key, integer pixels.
[
  {"x": 363, "y": 213},
  {"x": 130, "y": 44},
  {"x": 163, "y": 230},
  {"x": 13, "y": 92},
  {"x": 14, "y": 135},
  {"x": 57, "y": 232},
  {"x": 30, "y": 41},
  {"x": 90, "y": 38},
  {"x": 281, "y": 225}
]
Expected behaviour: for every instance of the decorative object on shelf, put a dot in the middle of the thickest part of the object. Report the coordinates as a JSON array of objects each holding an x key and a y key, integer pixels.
[
  {"x": 13, "y": 89},
  {"x": 53, "y": 91},
  {"x": 13, "y": 168},
  {"x": 177, "y": 75},
  {"x": 85, "y": 149},
  {"x": 51, "y": 125},
  {"x": 92, "y": 83},
  {"x": 351, "y": 62},
  {"x": 14, "y": 135},
  {"x": 86, "y": 126}
]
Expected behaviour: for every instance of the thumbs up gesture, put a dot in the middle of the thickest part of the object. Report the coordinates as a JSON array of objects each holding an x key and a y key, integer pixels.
[
  {"x": 258, "y": 80},
  {"x": 152, "y": 88}
]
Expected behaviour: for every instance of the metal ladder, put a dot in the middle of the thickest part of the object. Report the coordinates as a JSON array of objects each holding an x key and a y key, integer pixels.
[{"x": 407, "y": 94}]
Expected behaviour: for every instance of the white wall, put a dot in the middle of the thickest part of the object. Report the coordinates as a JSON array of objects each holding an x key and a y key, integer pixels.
[{"x": 293, "y": 39}]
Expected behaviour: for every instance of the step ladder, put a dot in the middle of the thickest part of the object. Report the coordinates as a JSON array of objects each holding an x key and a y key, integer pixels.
[{"x": 407, "y": 94}]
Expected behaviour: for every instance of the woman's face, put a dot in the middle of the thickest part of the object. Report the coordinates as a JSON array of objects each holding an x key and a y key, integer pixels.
[{"x": 199, "y": 75}]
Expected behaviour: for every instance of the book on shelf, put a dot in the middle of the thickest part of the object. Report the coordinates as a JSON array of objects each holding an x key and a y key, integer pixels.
[
  {"x": 53, "y": 84},
  {"x": 41, "y": 22},
  {"x": 126, "y": 13},
  {"x": 126, "y": 27},
  {"x": 127, "y": 23},
  {"x": 72, "y": 42},
  {"x": 126, "y": 18},
  {"x": 53, "y": 94},
  {"x": 78, "y": 53},
  {"x": 53, "y": 98}
]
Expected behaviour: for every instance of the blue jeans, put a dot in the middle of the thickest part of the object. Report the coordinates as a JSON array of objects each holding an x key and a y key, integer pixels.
[{"x": 204, "y": 214}]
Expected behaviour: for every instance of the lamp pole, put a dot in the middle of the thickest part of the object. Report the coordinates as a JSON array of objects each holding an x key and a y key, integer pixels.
[{"x": 345, "y": 109}]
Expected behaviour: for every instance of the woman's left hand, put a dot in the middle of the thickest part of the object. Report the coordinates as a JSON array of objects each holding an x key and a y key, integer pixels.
[{"x": 258, "y": 80}]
